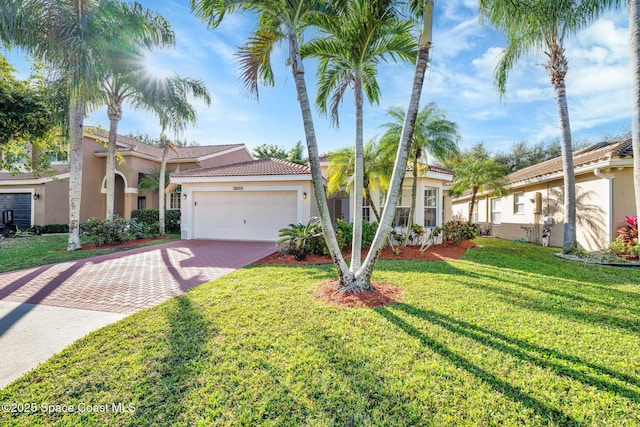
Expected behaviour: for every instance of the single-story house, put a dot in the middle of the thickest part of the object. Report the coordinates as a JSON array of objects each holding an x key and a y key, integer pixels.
[
  {"x": 43, "y": 200},
  {"x": 250, "y": 200},
  {"x": 535, "y": 201},
  {"x": 432, "y": 198}
]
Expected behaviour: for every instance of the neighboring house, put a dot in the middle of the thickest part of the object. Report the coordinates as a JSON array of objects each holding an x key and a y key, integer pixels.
[
  {"x": 251, "y": 200},
  {"x": 604, "y": 196},
  {"x": 432, "y": 198},
  {"x": 45, "y": 200}
]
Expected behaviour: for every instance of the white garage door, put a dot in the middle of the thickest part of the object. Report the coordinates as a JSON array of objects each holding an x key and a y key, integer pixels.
[{"x": 246, "y": 215}]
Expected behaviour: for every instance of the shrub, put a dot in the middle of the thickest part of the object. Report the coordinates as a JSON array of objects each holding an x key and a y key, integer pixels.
[
  {"x": 344, "y": 233},
  {"x": 108, "y": 232},
  {"x": 629, "y": 232},
  {"x": 624, "y": 248},
  {"x": 302, "y": 239},
  {"x": 151, "y": 218},
  {"x": 49, "y": 229},
  {"x": 454, "y": 232}
]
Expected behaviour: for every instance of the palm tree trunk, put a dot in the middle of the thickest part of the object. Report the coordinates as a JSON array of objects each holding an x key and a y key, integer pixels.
[
  {"x": 414, "y": 190},
  {"x": 161, "y": 185},
  {"x": 634, "y": 43},
  {"x": 76, "y": 120},
  {"x": 367, "y": 195},
  {"x": 115, "y": 114},
  {"x": 474, "y": 193},
  {"x": 356, "y": 244},
  {"x": 557, "y": 69},
  {"x": 345, "y": 275},
  {"x": 363, "y": 276}
]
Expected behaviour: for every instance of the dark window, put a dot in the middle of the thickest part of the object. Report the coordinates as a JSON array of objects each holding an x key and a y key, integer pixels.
[{"x": 142, "y": 202}]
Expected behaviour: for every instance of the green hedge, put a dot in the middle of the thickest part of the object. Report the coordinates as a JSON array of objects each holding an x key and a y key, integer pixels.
[
  {"x": 49, "y": 229},
  {"x": 151, "y": 217}
]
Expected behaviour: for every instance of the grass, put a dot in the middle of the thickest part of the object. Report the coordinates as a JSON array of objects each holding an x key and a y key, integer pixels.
[
  {"x": 33, "y": 251},
  {"x": 509, "y": 335}
]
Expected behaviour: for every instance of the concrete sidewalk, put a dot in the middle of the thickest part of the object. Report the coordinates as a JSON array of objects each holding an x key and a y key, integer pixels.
[{"x": 44, "y": 309}]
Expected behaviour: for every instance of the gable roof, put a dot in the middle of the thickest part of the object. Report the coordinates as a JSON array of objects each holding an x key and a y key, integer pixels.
[
  {"x": 259, "y": 167},
  {"x": 126, "y": 144},
  {"x": 602, "y": 151}
]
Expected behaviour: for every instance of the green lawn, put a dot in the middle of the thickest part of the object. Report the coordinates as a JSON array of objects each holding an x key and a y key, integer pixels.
[
  {"x": 509, "y": 335},
  {"x": 26, "y": 252}
]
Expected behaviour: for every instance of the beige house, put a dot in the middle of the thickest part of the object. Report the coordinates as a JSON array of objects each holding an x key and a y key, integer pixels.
[
  {"x": 45, "y": 200},
  {"x": 604, "y": 196},
  {"x": 432, "y": 198}
]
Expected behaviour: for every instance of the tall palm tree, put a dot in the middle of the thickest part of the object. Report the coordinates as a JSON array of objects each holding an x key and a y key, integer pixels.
[
  {"x": 72, "y": 36},
  {"x": 286, "y": 20},
  {"x": 129, "y": 80},
  {"x": 378, "y": 165},
  {"x": 531, "y": 26},
  {"x": 478, "y": 175},
  {"x": 352, "y": 42},
  {"x": 434, "y": 134}
]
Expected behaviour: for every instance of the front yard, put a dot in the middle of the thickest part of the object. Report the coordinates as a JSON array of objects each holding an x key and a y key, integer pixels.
[{"x": 508, "y": 335}]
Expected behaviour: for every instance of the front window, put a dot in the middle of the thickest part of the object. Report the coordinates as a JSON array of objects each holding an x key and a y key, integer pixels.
[
  {"x": 518, "y": 203},
  {"x": 496, "y": 215},
  {"x": 366, "y": 210},
  {"x": 430, "y": 207},
  {"x": 58, "y": 153},
  {"x": 142, "y": 202},
  {"x": 401, "y": 219},
  {"x": 174, "y": 201}
]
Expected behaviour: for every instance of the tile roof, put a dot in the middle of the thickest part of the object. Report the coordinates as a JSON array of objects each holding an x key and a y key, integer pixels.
[
  {"x": 259, "y": 167},
  {"x": 437, "y": 169},
  {"x": 597, "y": 152},
  {"x": 55, "y": 170},
  {"x": 136, "y": 146}
]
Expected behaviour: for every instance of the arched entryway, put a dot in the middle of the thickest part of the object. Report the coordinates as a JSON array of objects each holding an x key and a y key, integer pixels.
[{"x": 118, "y": 200}]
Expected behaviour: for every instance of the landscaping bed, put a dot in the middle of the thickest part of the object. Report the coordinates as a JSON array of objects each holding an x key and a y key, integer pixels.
[{"x": 434, "y": 253}]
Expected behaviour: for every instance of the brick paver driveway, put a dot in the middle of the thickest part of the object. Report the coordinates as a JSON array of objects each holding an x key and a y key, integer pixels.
[{"x": 126, "y": 282}]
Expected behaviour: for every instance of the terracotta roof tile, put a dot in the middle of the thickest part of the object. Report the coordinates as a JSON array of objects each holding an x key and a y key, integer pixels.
[
  {"x": 436, "y": 169},
  {"x": 259, "y": 167},
  {"x": 594, "y": 153},
  {"x": 136, "y": 146},
  {"x": 55, "y": 170}
]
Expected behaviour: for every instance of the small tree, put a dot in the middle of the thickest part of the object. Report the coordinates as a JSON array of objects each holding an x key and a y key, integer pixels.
[{"x": 478, "y": 175}]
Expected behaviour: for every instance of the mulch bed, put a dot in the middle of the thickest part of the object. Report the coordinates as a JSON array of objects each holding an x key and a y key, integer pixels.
[
  {"x": 384, "y": 293},
  {"x": 434, "y": 253}
]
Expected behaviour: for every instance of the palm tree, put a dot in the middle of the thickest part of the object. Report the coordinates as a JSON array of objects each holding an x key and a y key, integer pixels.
[
  {"x": 72, "y": 36},
  {"x": 535, "y": 25},
  {"x": 351, "y": 43},
  {"x": 129, "y": 80},
  {"x": 378, "y": 165},
  {"x": 286, "y": 20},
  {"x": 478, "y": 175},
  {"x": 434, "y": 134}
]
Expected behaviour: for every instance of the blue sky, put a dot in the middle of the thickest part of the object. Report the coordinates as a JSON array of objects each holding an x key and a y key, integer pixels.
[{"x": 460, "y": 81}]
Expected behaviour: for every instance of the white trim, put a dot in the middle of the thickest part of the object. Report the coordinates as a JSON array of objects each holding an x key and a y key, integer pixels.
[
  {"x": 221, "y": 153},
  {"x": 245, "y": 178},
  {"x": 187, "y": 218},
  {"x": 31, "y": 191},
  {"x": 127, "y": 189},
  {"x": 35, "y": 181}
]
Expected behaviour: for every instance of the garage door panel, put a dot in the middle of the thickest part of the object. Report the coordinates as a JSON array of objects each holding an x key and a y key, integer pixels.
[
  {"x": 247, "y": 215},
  {"x": 20, "y": 203}
]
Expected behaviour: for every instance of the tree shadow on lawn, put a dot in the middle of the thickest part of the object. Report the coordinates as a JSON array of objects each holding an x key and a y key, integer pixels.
[
  {"x": 171, "y": 378},
  {"x": 531, "y": 259},
  {"x": 561, "y": 364},
  {"x": 512, "y": 392},
  {"x": 560, "y": 303}
]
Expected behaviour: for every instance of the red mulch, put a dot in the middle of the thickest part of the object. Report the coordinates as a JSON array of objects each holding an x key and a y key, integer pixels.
[
  {"x": 434, "y": 253},
  {"x": 383, "y": 295},
  {"x": 130, "y": 243}
]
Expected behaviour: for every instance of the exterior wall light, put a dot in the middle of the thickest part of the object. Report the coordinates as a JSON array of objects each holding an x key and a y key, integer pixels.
[
  {"x": 36, "y": 196},
  {"x": 184, "y": 196},
  {"x": 304, "y": 195}
]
